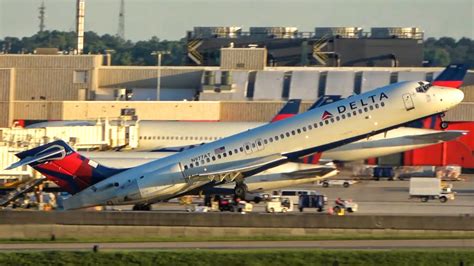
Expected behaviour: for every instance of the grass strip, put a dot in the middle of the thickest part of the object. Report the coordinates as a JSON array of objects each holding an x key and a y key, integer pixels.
[
  {"x": 326, "y": 236},
  {"x": 250, "y": 257}
]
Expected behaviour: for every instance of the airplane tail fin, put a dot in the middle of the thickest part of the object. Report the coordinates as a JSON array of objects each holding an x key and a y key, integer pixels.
[
  {"x": 290, "y": 109},
  {"x": 59, "y": 163},
  {"x": 452, "y": 76},
  {"x": 323, "y": 100}
]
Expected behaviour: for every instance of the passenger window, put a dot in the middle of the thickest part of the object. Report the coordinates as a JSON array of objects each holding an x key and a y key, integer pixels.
[
  {"x": 366, "y": 109},
  {"x": 197, "y": 164},
  {"x": 354, "y": 113},
  {"x": 224, "y": 154},
  {"x": 185, "y": 167},
  {"x": 230, "y": 153},
  {"x": 326, "y": 122},
  {"x": 298, "y": 130},
  {"x": 219, "y": 156},
  {"x": 287, "y": 134},
  {"x": 276, "y": 138},
  {"x": 265, "y": 141},
  {"x": 343, "y": 116},
  {"x": 371, "y": 107},
  {"x": 360, "y": 111},
  {"x": 304, "y": 129},
  {"x": 382, "y": 104},
  {"x": 271, "y": 139},
  {"x": 338, "y": 118},
  {"x": 191, "y": 165},
  {"x": 213, "y": 158},
  {"x": 241, "y": 149},
  {"x": 377, "y": 105},
  {"x": 208, "y": 160},
  {"x": 236, "y": 151},
  {"x": 282, "y": 136},
  {"x": 332, "y": 120},
  {"x": 310, "y": 127},
  {"x": 293, "y": 132}
]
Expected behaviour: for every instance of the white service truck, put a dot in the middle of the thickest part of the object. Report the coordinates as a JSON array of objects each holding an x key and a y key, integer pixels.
[{"x": 426, "y": 188}]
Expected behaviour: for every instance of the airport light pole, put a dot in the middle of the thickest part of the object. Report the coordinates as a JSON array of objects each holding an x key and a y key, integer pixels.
[{"x": 158, "y": 77}]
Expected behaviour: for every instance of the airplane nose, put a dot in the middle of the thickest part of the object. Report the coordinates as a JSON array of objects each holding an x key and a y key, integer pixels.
[{"x": 456, "y": 96}]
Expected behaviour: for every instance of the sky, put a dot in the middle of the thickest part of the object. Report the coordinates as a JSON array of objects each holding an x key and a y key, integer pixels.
[{"x": 170, "y": 19}]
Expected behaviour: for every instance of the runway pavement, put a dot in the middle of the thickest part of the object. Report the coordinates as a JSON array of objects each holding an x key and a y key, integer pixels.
[
  {"x": 380, "y": 198},
  {"x": 236, "y": 245}
]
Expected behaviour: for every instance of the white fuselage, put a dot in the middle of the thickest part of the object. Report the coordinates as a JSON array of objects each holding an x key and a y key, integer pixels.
[
  {"x": 389, "y": 142},
  {"x": 154, "y": 135},
  {"x": 317, "y": 130}
]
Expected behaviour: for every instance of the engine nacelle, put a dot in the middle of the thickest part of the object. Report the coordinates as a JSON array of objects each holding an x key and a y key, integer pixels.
[{"x": 161, "y": 183}]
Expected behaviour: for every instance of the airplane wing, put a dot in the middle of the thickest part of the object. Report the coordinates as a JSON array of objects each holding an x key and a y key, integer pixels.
[
  {"x": 239, "y": 170},
  {"x": 317, "y": 171},
  {"x": 439, "y": 136}
]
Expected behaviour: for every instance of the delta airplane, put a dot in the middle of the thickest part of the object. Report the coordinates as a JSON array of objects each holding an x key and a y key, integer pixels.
[
  {"x": 177, "y": 136},
  {"x": 243, "y": 154}
]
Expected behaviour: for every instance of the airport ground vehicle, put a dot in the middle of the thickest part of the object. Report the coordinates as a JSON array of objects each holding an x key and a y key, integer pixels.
[
  {"x": 294, "y": 194},
  {"x": 312, "y": 201},
  {"x": 426, "y": 188},
  {"x": 337, "y": 182},
  {"x": 383, "y": 172},
  {"x": 347, "y": 205},
  {"x": 237, "y": 205},
  {"x": 279, "y": 204}
]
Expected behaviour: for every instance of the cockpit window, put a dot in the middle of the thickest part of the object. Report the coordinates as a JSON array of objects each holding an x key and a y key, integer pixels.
[{"x": 423, "y": 87}]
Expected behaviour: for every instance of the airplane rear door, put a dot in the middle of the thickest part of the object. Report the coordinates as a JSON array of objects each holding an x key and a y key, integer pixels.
[{"x": 408, "y": 101}]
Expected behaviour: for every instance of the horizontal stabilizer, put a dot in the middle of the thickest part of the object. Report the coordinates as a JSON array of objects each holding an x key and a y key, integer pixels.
[
  {"x": 440, "y": 136},
  {"x": 53, "y": 152}
]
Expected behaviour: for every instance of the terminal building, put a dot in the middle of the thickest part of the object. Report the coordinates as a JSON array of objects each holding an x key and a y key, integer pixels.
[
  {"x": 325, "y": 46},
  {"x": 244, "y": 86}
]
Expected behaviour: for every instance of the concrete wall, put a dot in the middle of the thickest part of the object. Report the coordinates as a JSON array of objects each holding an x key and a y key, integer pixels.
[
  {"x": 33, "y": 84},
  {"x": 411, "y": 75},
  {"x": 88, "y": 232},
  {"x": 250, "y": 220},
  {"x": 238, "y": 89},
  {"x": 340, "y": 83},
  {"x": 146, "y": 77},
  {"x": 269, "y": 85},
  {"x": 243, "y": 58},
  {"x": 50, "y": 61},
  {"x": 374, "y": 79},
  {"x": 304, "y": 85},
  {"x": 86, "y": 110},
  {"x": 7, "y": 94}
]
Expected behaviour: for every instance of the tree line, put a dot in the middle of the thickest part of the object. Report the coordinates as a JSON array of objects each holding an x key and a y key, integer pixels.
[
  {"x": 124, "y": 52},
  {"x": 437, "y": 52}
]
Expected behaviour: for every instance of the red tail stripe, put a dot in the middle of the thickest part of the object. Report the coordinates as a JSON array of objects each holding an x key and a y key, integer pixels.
[
  {"x": 281, "y": 117},
  {"x": 448, "y": 83}
]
